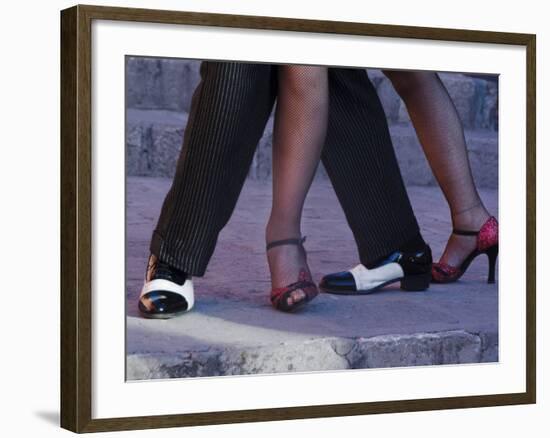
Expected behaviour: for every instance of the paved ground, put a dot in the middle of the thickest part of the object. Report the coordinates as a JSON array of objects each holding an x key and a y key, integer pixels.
[{"x": 234, "y": 330}]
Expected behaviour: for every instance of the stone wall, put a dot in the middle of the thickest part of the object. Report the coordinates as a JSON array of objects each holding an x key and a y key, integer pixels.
[
  {"x": 158, "y": 98},
  {"x": 160, "y": 83}
]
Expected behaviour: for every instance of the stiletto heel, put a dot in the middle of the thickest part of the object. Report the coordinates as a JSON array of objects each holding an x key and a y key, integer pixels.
[
  {"x": 492, "y": 254},
  {"x": 487, "y": 243},
  {"x": 279, "y": 296}
]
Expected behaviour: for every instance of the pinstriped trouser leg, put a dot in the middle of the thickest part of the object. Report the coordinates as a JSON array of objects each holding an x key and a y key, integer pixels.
[
  {"x": 229, "y": 111},
  {"x": 361, "y": 163}
]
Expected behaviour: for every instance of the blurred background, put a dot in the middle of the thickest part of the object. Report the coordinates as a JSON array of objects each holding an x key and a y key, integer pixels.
[{"x": 158, "y": 98}]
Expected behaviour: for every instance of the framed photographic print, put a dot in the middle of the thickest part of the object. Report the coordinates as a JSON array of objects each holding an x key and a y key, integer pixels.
[{"x": 197, "y": 153}]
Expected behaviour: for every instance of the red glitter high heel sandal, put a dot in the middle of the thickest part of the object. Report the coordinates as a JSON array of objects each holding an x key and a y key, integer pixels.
[
  {"x": 279, "y": 296},
  {"x": 487, "y": 243}
]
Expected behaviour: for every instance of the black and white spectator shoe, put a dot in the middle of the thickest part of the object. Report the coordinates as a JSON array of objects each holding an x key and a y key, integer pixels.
[
  {"x": 166, "y": 292},
  {"x": 412, "y": 269}
]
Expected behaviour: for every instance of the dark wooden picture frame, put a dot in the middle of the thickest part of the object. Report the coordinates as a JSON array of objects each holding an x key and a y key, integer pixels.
[{"x": 76, "y": 218}]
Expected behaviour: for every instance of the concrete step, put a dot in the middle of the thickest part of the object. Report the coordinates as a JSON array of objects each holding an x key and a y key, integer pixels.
[
  {"x": 154, "y": 139},
  {"x": 475, "y": 98},
  {"x": 160, "y": 83},
  {"x": 234, "y": 330},
  {"x": 308, "y": 354},
  {"x": 482, "y": 148},
  {"x": 168, "y": 84}
]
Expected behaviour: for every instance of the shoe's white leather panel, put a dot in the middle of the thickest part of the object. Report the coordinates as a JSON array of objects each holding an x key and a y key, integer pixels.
[
  {"x": 366, "y": 279},
  {"x": 186, "y": 290}
]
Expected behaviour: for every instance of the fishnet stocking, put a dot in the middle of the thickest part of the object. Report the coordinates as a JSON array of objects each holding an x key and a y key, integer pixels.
[
  {"x": 298, "y": 136},
  {"x": 441, "y": 134}
]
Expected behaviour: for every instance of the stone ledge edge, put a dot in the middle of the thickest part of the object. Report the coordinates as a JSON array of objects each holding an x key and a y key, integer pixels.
[{"x": 320, "y": 354}]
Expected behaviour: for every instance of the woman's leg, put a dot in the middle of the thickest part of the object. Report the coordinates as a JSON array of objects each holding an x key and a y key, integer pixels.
[
  {"x": 441, "y": 135},
  {"x": 298, "y": 137}
]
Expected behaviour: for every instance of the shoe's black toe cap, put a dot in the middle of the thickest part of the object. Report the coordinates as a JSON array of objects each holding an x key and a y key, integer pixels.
[
  {"x": 162, "y": 304},
  {"x": 338, "y": 282}
]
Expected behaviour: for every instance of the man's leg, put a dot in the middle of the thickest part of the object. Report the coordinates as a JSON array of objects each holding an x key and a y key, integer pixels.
[
  {"x": 229, "y": 111},
  {"x": 361, "y": 163}
]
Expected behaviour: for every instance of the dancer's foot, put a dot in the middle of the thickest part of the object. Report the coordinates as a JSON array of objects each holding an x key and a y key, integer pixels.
[
  {"x": 291, "y": 282},
  {"x": 460, "y": 246},
  {"x": 486, "y": 242},
  {"x": 410, "y": 266},
  {"x": 166, "y": 292}
]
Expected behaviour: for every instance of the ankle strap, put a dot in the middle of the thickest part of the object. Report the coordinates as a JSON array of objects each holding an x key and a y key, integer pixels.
[
  {"x": 295, "y": 241},
  {"x": 474, "y": 233},
  {"x": 465, "y": 232}
]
